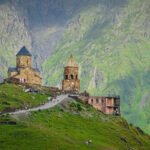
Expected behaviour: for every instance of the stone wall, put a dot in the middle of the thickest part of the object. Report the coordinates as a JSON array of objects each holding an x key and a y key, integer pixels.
[
  {"x": 11, "y": 73},
  {"x": 37, "y": 74},
  {"x": 53, "y": 89},
  {"x": 11, "y": 80},
  {"x": 29, "y": 76},
  {"x": 107, "y": 105},
  {"x": 23, "y": 61},
  {"x": 71, "y": 72},
  {"x": 71, "y": 80},
  {"x": 71, "y": 85}
]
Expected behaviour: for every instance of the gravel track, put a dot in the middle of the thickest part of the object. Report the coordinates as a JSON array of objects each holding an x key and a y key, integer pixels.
[{"x": 47, "y": 105}]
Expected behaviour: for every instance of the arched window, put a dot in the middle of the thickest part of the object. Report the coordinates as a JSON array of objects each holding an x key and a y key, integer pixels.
[
  {"x": 24, "y": 80},
  {"x": 71, "y": 76},
  {"x": 97, "y": 100},
  {"x": 76, "y": 76},
  {"x": 66, "y": 77},
  {"x": 92, "y": 101}
]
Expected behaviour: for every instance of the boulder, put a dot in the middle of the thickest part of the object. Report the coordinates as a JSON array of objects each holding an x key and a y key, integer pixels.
[
  {"x": 88, "y": 142},
  {"x": 27, "y": 90}
]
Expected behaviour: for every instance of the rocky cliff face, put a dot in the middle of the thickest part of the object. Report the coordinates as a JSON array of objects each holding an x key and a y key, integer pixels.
[
  {"x": 13, "y": 34},
  {"x": 109, "y": 39},
  {"x": 111, "y": 44}
]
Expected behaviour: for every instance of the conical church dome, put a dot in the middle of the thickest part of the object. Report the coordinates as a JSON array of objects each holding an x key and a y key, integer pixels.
[
  {"x": 71, "y": 62},
  {"x": 23, "y": 51}
]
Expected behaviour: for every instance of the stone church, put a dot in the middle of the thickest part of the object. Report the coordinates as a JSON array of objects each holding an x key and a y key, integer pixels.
[
  {"x": 71, "y": 82},
  {"x": 23, "y": 72}
]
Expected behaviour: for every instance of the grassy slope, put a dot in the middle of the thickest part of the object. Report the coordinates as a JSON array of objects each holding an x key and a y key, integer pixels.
[
  {"x": 13, "y": 97},
  {"x": 69, "y": 128},
  {"x": 113, "y": 51}
]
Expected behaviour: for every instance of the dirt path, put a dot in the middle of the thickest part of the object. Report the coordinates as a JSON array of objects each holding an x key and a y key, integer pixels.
[{"x": 47, "y": 105}]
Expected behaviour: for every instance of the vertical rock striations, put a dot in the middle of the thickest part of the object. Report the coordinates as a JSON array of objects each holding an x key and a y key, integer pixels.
[{"x": 13, "y": 35}]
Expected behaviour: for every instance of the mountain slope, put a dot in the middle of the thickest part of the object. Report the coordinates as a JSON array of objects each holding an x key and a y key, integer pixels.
[
  {"x": 111, "y": 45},
  {"x": 13, "y": 34},
  {"x": 109, "y": 39},
  {"x": 69, "y": 126},
  {"x": 12, "y": 97}
]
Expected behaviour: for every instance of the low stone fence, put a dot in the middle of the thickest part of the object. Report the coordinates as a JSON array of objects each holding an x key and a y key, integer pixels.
[
  {"x": 53, "y": 89},
  {"x": 11, "y": 80}
]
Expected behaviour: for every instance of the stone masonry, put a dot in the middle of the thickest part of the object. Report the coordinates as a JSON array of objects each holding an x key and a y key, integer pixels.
[
  {"x": 107, "y": 105},
  {"x": 71, "y": 82},
  {"x": 23, "y": 72}
]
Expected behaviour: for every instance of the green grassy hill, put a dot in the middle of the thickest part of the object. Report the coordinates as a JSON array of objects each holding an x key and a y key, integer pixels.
[
  {"x": 109, "y": 39},
  {"x": 13, "y": 97},
  {"x": 112, "y": 47},
  {"x": 67, "y": 127}
]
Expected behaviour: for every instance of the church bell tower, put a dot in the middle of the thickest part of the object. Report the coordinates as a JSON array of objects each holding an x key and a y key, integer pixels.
[{"x": 71, "y": 82}]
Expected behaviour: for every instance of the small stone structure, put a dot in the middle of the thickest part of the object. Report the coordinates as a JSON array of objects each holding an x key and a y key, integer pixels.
[
  {"x": 71, "y": 82},
  {"x": 23, "y": 73},
  {"x": 107, "y": 105}
]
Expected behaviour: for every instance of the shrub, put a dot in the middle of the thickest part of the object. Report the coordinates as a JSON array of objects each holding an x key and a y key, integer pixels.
[{"x": 75, "y": 106}]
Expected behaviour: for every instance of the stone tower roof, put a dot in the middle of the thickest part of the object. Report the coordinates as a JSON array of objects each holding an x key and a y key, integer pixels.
[
  {"x": 71, "y": 62},
  {"x": 24, "y": 51}
]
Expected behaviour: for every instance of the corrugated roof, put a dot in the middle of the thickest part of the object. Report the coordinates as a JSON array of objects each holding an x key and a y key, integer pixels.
[
  {"x": 71, "y": 62},
  {"x": 24, "y": 51},
  {"x": 12, "y": 69}
]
